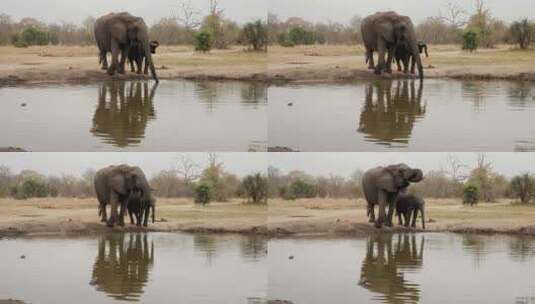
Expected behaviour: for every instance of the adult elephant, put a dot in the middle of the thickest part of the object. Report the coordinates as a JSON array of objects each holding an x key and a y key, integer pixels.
[
  {"x": 382, "y": 32},
  {"x": 117, "y": 33},
  {"x": 381, "y": 186},
  {"x": 114, "y": 185}
]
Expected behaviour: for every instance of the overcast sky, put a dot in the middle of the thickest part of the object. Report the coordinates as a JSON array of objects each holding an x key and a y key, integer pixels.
[
  {"x": 324, "y": 164},
  {"x": 151, "y": 10},
  {"x": 76, "y": 163},
  {"x": 343, "y": 10}
]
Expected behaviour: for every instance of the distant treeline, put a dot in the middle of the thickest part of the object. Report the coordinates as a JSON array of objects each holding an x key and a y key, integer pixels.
[{"x": 216, "y": 183}]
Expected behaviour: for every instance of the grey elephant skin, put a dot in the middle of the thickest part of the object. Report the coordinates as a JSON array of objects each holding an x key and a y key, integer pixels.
[
  {"x": 114, "y": 185},
  {"x": 117, "y": 33},
  {"x": 382, "y": 185},
  {"x": 140, "y": 208},
  {"x": 407, "y": 206},
  {"x": 382, "y": 32},
  {"x": 137, "y": 56},
  {"x": 403, "y": 55}
]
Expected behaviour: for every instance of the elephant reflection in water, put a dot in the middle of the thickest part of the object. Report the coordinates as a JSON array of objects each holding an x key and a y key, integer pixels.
[
  {"x": 390, "y": 118},
  {"x": 122, "y": 118},
  {"x": 122, "y": 268},
  {"x": 383, "y": 267}
]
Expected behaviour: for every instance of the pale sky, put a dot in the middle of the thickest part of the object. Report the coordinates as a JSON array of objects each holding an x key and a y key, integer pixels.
[
  {"x": 319, "y": 164},
  {"x": 76, "y": 11},
  {"x": 57, "y": 163},
  {"x": 342, "y": 10}
]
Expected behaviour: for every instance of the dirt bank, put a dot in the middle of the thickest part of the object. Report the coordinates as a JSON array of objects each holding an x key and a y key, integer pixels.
[
  {"x": 79, "y": 216},
  {"x": 76, "y": 64},
  {"x": 278, "y": 219},
  {"x": 346, "y": 217},
  {"x": 346, "y": 63}
]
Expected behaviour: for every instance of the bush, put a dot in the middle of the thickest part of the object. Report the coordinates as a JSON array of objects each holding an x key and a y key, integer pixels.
[
  {"x": 284, "y": 41},
  {"x": 20, "y": 44},
  {"x": 203, "y": 194},
  {"x": 203, "y": 41},
  {"x": 29, "y": 188},
  {"x": 255, "y": 34},
  {"x": 470, "y": 195},
  {"x": 298, "y": 36},
  {"x": 523, "y": 187},
  {"x": 255, "y": 188},
  {"x": 522, "y": 33},
  {"x": 301, "y": 189},
  {"x": 470, "y": 40},
  {"x": 33, "y": 36}
]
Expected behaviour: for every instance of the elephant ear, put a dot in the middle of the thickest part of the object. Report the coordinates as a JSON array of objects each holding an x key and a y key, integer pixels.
[{"x": 399, "y": 178}]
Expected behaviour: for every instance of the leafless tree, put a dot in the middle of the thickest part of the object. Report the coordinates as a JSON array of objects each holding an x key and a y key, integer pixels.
[
  {"x": 189, "y": 170},
  {"x": 188, "y": 15},
  {"x": 455, "y": 15},
  {"x": 455, "y": 169}
]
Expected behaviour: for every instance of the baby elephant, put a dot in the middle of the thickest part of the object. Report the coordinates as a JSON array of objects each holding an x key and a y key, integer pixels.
[
  {"x": 408, "y": 205},
  {"x": 140, "y": 208},
  {"x": 403, "y": 55},
  {"x": 137, "y": 55}
]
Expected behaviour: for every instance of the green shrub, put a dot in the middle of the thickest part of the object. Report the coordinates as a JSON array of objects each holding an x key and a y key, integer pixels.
[
  {"x": 203, "y": 41},
  {"x": 301, "y": 189},
  {"x": 203, "y": 194},
  {"x": 255, "y": 34},
  {"x": 523, "y": 187},
  {"x": 299, "y": 36},
  {"x": 470, "y": 40},
  {"x": 284, "y": 41},
  {"x": 255, "y": 188},
  {"x": 470, "y": 195},
  {"x": 30, "y": 188},
  {"x": 20, "y": 44},
  {"x": 33, "y": 36}
]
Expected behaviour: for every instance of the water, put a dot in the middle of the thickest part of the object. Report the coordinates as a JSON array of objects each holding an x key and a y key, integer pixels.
[
  {"x": 146, "y": 268},
  {"x": 135, "y": 116},
  {"x": 441, "y": 115},
  {"x": 420, "y": 268}
]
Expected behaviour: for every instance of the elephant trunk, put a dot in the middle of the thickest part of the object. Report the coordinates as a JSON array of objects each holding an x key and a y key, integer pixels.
[
  {"x": 153, "y": 213},
  {"x": 150, "y": 63},
  {"x": 423, "y": 216},
  {"x": 416, "y": 56}
]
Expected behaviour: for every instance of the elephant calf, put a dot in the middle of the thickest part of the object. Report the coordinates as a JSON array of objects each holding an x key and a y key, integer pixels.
[
  {"x": 408, "y": 205},
  {"x": 140, "y": 208},
  {"x": 137, "y": 55},
  {"x": 403, "y": 54}
]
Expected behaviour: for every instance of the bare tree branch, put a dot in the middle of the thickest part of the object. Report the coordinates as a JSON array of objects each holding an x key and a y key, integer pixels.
[
  {"x": 189, "y": 170},
  {"x": 455, "y": 15},
  {"x": 188, "y": 15}
]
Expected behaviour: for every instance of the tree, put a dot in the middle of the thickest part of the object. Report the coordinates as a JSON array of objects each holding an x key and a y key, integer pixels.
[
  {"x": 523, "y": 33},
  {"x": 203, "y": 41},
  {"x": 203, "y": 194},
  {"x": 455, "y": 15},
  {"x": 470, "y": 195},
  {"x": 523, "y": 187},
  {"x": 255, "y": 34},
  {"x": 34, "y": 36},
  {"x": 470, "y": 40},
  {"x": 491, "y": 185},
  {"x": 188, "y": 16},
  {"x": 255, "y": 188}
]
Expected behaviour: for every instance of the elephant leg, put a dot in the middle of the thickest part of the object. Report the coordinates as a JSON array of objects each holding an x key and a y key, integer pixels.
[
  {"x": 146, "y": 217},
  {"x": 132, "y": 68},
  {"x": 146, "y": 71},
  {"x": 114, "y": 58},
  {"x": 371, "y": 210},
  {"x": 138, "y": 218},
  {"x": 122, "y": 64},
  {"x": 382, "y": 199},
  {"x": 407, "y": 215},
  {"x": 130, "y": 213},
  {"x": 400, "y": 222},
  {"x": 414, "y": 217},
  {"x": 122, "y": 213},
  {"x": 389, "y": 60},
  {"x": 369, "y": 57},
  {"x": 381, "y": 50},
  {"x": 104, "y": 213},
  {"x": 413, "y": 65},
  {"x": 104, "y": 60},
  {"x": 114, "y": 204},
  {"x": 390, "y": 215},
  {"x": 398, "y": 61}
]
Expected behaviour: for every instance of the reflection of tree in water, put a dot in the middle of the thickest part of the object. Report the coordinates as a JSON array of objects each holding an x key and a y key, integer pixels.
[
  {"x": 521, "y": 94},
  {"x": 477, "y": 246},
  {"x": 477, "y": 92},
  {"x": 390, "y": 117},
  {"x": 212, "y": 93},
  {"x": 522, "y": 248},
  {"x": 253, "y": 247},
  {"x": 207, "y": 244},
  {"x": 122, "y": 118},
  {"x": 121, "y": 269},
  {"x": 384, "y": 265}
]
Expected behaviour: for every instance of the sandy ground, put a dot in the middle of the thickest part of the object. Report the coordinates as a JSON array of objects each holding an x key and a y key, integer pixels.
[
  {"x": 341, "y": 216},
  {"x": 64, "y": 216},
  {"x": 279, "y": 218},
  {"x": 346, "y": 63},
  {"x": 58, "y": 64}
]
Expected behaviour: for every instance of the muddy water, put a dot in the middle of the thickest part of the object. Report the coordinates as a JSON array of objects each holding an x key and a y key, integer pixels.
[
  {"x": 421, "y": 268},
  {"x": 146, "y": 268},
  {"x": 440, "y": 115},
  {"x": 135, "y": 116}
]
